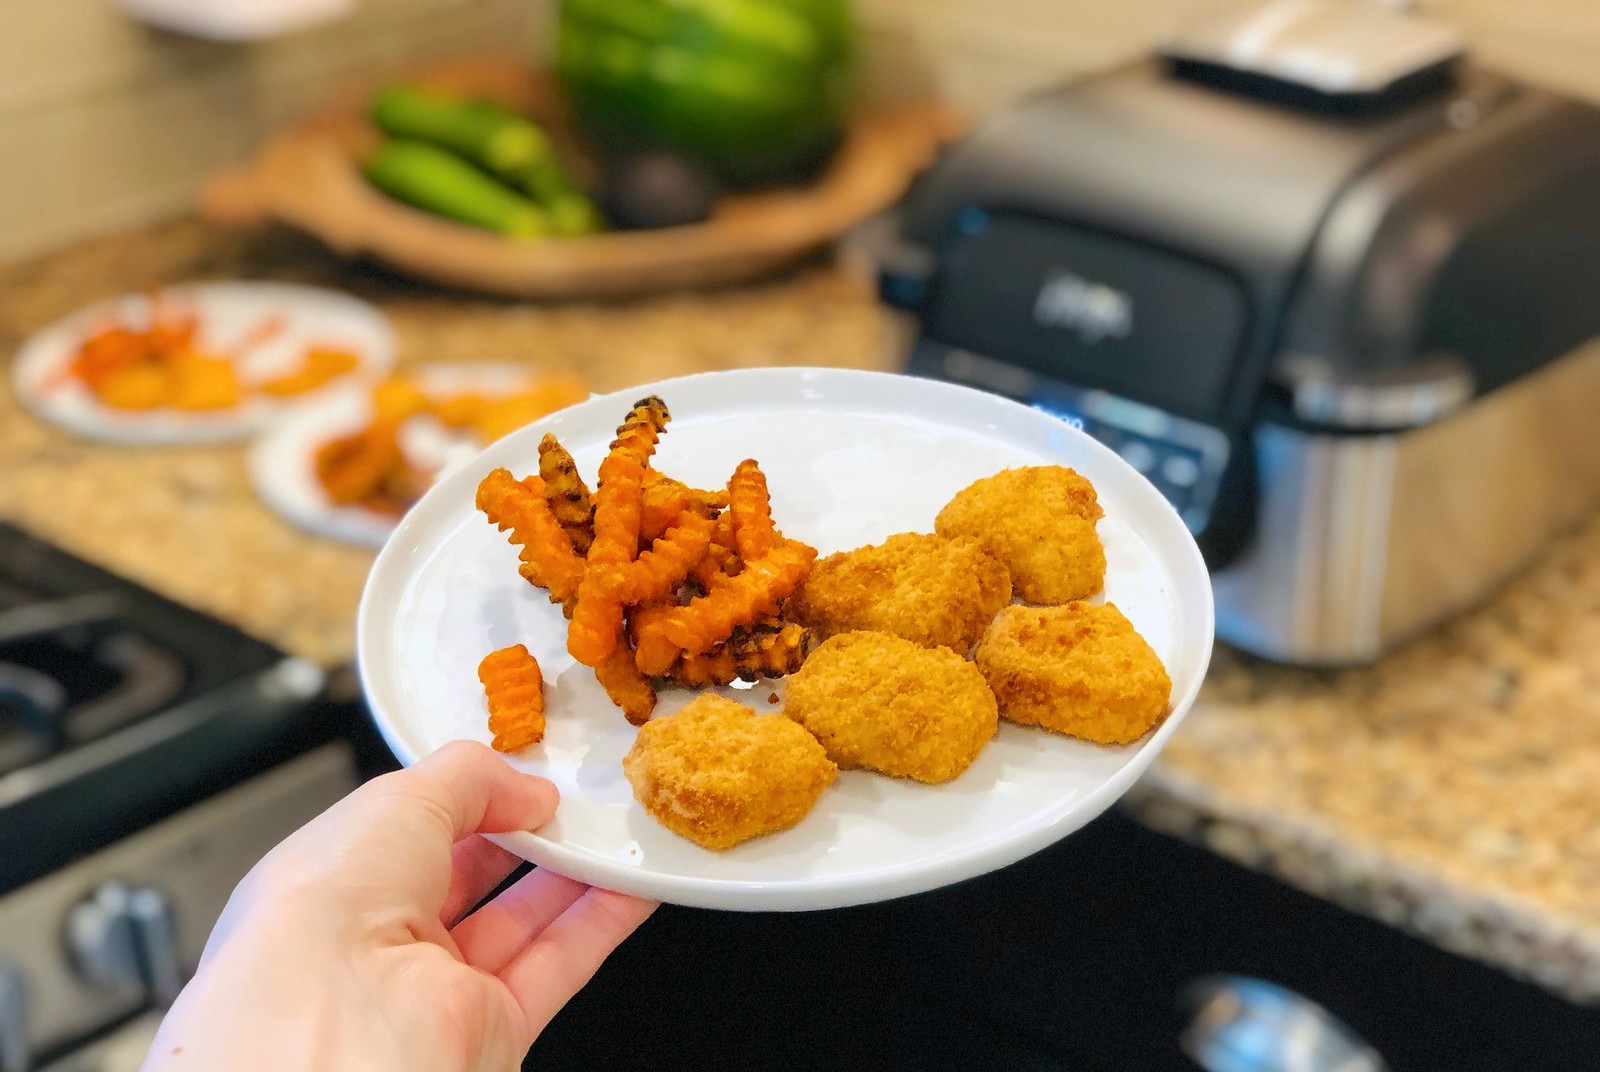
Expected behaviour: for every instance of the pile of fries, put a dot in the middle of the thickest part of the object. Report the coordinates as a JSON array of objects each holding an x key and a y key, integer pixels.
[
  {"x": 661, "y": 583},
  {"x": 163, "y": 365},
  {"x": 370, "y": 469}
]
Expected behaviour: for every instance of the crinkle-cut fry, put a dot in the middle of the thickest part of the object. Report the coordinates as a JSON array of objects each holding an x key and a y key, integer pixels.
[
  {"x": 664, "y": 498},
  {"x": 566, "y": 493},
  {"x": 653, "y": 652},
  {"x": 750, "y": 511},
  {"x": 514, "y": 686},
  {"x": 512, "y": 504},
  {"x": 597, "y": 618},
  {"x": 722, "y": 559},
  {"x": 658, "y": 572},
  {"x": 766, "y": 650},
  {"x": 628, "y": 688},
  {"x": 754, "y": 593}
]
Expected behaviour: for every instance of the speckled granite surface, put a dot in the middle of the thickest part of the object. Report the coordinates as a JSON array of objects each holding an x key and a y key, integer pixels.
[{"x": 1452, "y": 790}]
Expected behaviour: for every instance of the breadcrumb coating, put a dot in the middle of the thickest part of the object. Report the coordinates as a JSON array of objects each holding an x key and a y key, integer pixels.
[
  {"x": 717, "y": 773},
  {"x": 1078, "y": 669},
  {"x": 880, "y": 701},
  {"x": 1040, "y": 521},
  {"x": 931, "y": 590}
]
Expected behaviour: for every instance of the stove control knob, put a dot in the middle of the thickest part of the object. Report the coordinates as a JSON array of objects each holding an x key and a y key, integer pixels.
[
  {"x": 14, "y": 1055},
  {"x": 101, "y": 941},
  {"x": 126, "y": 939},
  {"x": 155, "y": 937}
]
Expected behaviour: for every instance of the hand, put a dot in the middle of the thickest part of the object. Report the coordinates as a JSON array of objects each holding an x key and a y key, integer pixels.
[{"x": 349, "y": 947}]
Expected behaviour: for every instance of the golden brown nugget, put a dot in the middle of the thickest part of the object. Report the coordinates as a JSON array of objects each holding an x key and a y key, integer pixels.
[
  {"x": 1040, "y": 521},
  {"x": 880, "y": 701},
  {"x": 931, "y": 590},
  {"x": 718, "y": 774},
  {"x": 1078, "y": 669}
]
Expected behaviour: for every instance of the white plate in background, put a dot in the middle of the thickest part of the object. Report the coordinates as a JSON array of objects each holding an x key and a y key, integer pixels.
[
  {"x": 851, "y": 458},
  {"x": 283, "y": 460},
  {"x": 229, "y": 312}
]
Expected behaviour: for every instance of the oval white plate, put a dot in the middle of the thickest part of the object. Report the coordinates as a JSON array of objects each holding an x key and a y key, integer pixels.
[
  {"x": 851, "y": 457},
  {"x": 228, "y": 313},
  {"x": 283, "y": 460}
]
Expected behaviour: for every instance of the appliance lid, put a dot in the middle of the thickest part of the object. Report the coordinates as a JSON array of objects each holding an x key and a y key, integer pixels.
[
  {"x": 1331, "y": 46},
  {"x": 1236, "y": 182}
]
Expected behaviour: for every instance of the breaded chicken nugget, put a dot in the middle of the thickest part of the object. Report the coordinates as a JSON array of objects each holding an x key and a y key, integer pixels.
[
  {"x": 931, "y": 590},
  {"x": 1078, "y": 669},
  {"x": 1039, "y": 521},
  {"x": 717, "y": 773},
  {"x": 877, "y": 700}
]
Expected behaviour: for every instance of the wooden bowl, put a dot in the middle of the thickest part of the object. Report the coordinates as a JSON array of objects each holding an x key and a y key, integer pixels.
[{"x": 309, "y": 178}]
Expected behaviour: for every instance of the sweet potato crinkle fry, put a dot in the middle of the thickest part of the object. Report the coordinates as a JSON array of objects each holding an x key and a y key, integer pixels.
[
  {"x": 658, "y": 572},
  {"x": 566, "y": 493},
  {"x": 766, "y": 650},
  {"x": 626, "y": 686},
  {"x": 514, "y": 686},
  {"x": 750, "y": 511},
  {"x": 754, "y": 593},
  {"x": 597, "y": 618},
  {"x": 511, "y": 504}
]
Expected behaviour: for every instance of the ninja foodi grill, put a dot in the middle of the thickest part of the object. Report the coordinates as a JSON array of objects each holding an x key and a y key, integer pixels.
[{"x": 1341, "y": 327}]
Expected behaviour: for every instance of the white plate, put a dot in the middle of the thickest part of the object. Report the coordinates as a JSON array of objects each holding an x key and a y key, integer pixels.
[
  {"x": 228, "y": 313},
  {"x": 283, "y": 461},
  {"x": 851, "y": 457}
]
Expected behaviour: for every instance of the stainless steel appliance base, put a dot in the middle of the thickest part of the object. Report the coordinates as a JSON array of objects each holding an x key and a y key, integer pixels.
[{"x": 1363, "y": 540}]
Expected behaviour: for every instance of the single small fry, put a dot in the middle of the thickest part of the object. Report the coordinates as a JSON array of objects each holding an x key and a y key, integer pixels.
[
  {"x": 319, "y": 367},
  {"x": 658, "y": 572},
  {"x": 566, "y": 493},
  {"x": 514, "y": 505},
  {"x": 653, "y": 653},
  {"x": 626, "y": 686},
  {"x": 754, "y": 593},
  {"x": 597, "y": 618},
  {"x": 514, "y": 687},
  {"x": 750, "y": 511}
]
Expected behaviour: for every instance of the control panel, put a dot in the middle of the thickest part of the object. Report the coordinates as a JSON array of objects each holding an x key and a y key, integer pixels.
[{"x": 1184, "y": 459}]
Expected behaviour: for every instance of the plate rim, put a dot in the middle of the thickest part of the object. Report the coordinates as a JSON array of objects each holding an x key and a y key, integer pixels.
[{"x": 806, "y": 894}]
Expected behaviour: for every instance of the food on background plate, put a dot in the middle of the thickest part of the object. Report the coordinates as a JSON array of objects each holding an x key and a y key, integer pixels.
[
  {"x": 513, "y": 684},
  {"x": 880, "y": 701},
  {"x": 1080, "y": 669},
  {"x": 370, "y": 467},
  {"x": 657, "y": 580},
  {"x": 163, "y": 364},
  {"x": 1040, "y": 521},
  {"x": 717, "y": 773},
  {"x": 475, "y": 162},
  {"x": 929, "y": 589}
]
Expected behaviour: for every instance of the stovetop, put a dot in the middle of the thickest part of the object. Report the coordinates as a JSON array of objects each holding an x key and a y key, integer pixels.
[{"x": 118, "y": 706}]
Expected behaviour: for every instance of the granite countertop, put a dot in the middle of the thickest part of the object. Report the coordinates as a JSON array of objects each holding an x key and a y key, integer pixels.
[{"x": 1448, "y": 790}]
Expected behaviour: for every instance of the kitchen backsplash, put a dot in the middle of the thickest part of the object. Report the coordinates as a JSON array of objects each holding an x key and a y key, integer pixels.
[{"x": 105, "y": 124}]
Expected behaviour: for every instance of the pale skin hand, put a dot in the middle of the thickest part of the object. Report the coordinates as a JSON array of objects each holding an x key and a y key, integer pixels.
[{"x": 346, "y": 948}]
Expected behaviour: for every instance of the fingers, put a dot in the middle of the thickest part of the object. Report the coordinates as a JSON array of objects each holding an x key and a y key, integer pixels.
[
  {"x": 492, "y": 936},
  {"x": 557, "y": 964},
  {"x": 469, "y": 789},
  {"x": 476, "y": 867}
]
